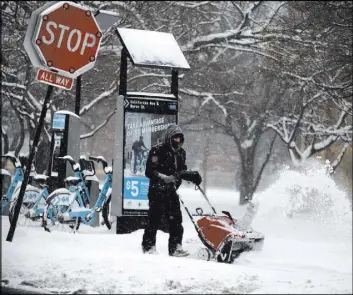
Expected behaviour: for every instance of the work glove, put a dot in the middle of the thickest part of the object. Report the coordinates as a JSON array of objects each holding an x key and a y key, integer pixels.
[
  {"x": 197, "y": 179},
  {"x": 192, "y": 176},
  {"x": 167, "y": 179}
]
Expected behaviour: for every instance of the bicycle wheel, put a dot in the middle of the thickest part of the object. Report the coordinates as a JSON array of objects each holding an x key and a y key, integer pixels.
[
  {"x": 50, "y": 214},
  {"x": 22, "y": 220},
  {"x": 28, "y": 201},
  {"x": 55, "y": 210},
  {"x": 76, "y": 226},
  {"x": 105, "y": 213}
]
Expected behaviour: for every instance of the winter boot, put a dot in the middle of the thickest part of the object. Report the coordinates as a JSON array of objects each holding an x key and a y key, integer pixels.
[
  {"x": 152, "y": 250},
  {"x": 180, "y": 252}
]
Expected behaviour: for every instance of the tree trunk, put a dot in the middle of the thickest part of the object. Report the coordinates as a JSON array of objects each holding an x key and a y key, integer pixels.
[
  {"x": 21, "y": 136},
  {"x": 43, "y": 153},
  {"x": 5, "y": 139},
  {"x": 15, "y": 139},
  {"x": 41, "y": 158},
  {"x": 246, "y": 175}
]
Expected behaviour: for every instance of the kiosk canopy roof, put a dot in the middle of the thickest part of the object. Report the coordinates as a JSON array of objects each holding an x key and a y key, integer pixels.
[{"x": 152, "y": 49}]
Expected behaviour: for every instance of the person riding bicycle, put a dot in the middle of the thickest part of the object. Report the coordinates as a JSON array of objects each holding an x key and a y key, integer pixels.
[{"x": 138, "y": 147}]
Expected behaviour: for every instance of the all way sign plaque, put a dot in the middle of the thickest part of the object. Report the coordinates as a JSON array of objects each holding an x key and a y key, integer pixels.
[{"x": 54, "y": 79}]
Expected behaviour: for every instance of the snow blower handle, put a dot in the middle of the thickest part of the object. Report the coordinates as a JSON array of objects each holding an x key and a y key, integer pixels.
[
  {"x": 230, "y": 217},
  {"x": 214, "y": 210},
  {"x": 208, "y": 201},
  {"x": 188, "y": 212},
  {"x": 195, "y": 178}
]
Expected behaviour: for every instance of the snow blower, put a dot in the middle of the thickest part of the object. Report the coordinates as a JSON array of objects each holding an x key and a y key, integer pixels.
[{"x": 224, "y": 237}]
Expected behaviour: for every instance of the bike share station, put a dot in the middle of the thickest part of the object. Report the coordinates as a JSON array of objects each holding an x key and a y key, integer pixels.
[
  {"x": 62, "y": 41},
  {"x": 65, "y": 140},
  {"x": 141, "y": 114}
]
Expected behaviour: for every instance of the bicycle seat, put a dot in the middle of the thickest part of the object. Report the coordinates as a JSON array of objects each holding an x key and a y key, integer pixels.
[
  {"x": 108, "y": 170},
  {"x": 71, "y": 180},
  {"x": 41, "y": 179},
  {"x": 23, "y": 160},
  {"x": 13, "y": 159},
  {"x": 68, "y": 158},
  {"x": 87, "y": 166}
]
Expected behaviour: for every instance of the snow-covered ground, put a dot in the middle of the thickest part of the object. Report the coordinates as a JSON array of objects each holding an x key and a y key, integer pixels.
[{"x": 308, "y": 253}]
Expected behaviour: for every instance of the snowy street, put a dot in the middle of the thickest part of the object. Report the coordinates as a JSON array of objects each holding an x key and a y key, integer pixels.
[
  {"x": 302, "y": 254},
  {"x": 101, "y": 262}
]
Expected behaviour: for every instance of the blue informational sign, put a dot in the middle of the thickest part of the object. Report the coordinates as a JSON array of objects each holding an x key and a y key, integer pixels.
[
  {"x": 59, "y": 121},
  {"x": 135, "y": 193},
  {"x": 136, "y": 188}
]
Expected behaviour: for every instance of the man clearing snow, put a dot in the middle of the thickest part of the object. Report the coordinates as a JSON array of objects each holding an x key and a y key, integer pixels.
[{"x": 164, "y": 161}]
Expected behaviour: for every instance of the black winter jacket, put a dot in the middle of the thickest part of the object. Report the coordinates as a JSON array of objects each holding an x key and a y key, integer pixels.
[{"x": 163, "y": 159}]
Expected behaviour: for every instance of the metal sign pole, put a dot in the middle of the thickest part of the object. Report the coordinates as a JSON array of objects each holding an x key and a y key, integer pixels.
[
  {"x": 174, "y": 83},
  {"x": 78, "y": 95},
  {"x": 123, "y": 72},
  {"x": 28, "y": 168}
]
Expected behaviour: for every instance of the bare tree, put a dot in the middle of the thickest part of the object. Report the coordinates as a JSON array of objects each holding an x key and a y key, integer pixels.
[
  {"x": 257, "y": 67},
  {"x": 319, "y": 107}
]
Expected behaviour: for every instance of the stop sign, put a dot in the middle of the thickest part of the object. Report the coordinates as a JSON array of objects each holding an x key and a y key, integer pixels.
[{"x": 67, "y": 38}]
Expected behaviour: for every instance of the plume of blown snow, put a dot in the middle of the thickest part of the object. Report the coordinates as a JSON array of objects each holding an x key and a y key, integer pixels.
[{"x": 306, "y": 203}]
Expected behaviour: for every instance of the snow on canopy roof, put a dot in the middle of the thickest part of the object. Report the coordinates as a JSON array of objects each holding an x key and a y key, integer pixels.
[
  {"x": 67, "y": 113},
  {"x": 150, "y": 94},
  {"x": 153, "y": 49}
]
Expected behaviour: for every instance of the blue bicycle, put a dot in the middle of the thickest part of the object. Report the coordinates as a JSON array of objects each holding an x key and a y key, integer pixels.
[
  {"x": 103, "y": 202},
  {"x": 16, "y": 180},
  {"x": 138, "y": 162},
  {"x": 69, "y": 206},
  {"x": 62, "y": 199},
  {"x": 32, "y": 194},
  {"x": 35, "y": 209}
]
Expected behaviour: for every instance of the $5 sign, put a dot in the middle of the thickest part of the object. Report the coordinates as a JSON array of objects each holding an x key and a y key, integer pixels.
[{"x": 133, "y": 186}]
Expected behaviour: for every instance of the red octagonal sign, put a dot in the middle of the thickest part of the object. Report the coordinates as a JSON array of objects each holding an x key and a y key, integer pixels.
[{"x": 67, "y": 38}]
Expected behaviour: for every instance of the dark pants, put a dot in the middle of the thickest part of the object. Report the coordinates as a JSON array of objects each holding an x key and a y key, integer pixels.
[{"x": 163, "y": 204}]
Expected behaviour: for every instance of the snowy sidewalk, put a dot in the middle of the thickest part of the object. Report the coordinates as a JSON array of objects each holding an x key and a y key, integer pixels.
[{"x": 300, "y": 258}]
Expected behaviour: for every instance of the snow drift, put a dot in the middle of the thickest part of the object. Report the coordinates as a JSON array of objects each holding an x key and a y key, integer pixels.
[{"x": 311, "y": 252}]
